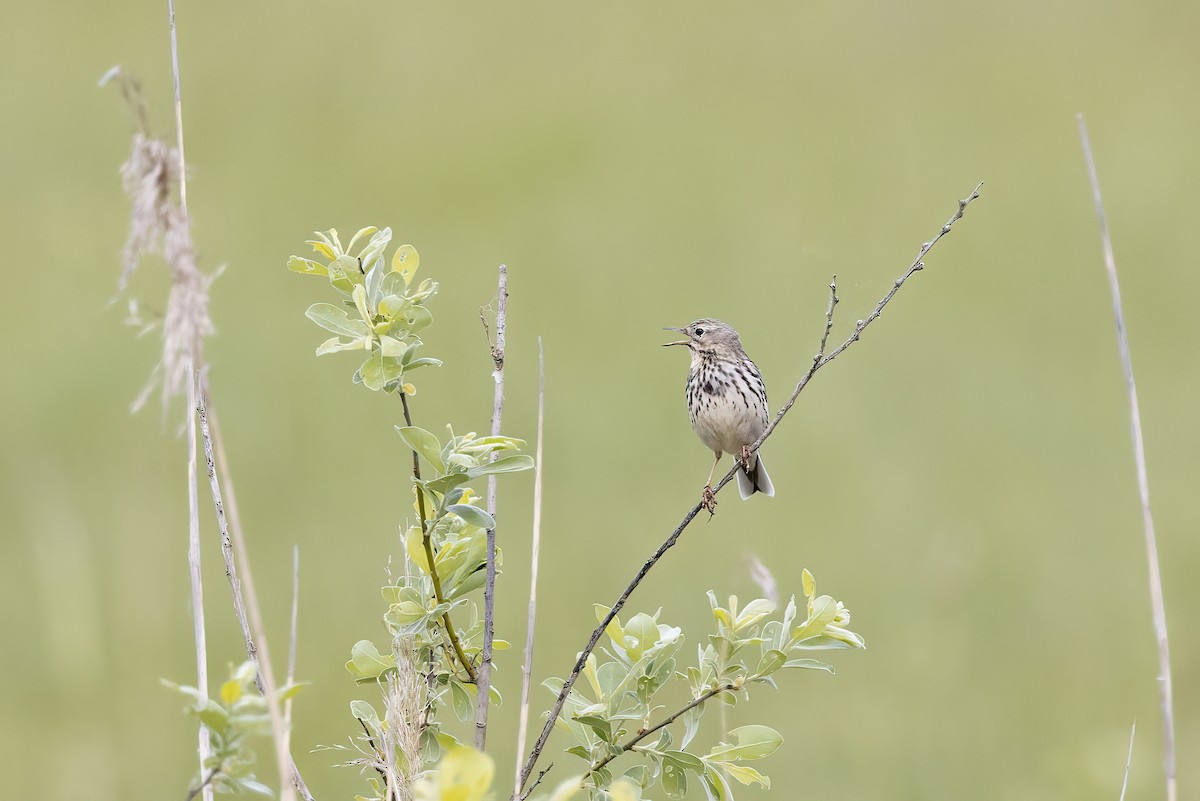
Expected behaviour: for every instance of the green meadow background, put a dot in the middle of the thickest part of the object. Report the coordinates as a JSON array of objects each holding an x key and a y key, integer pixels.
[{"x": 962, "y": 477}]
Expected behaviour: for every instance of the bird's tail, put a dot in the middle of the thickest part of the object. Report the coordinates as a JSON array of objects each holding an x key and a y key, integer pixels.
[{"x": 755, "y": 479}]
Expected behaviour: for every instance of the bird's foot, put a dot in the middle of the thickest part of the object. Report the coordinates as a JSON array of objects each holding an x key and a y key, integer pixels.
[
  {"x": 708, "y": 499},
  {"x": 744, "y": 457}
]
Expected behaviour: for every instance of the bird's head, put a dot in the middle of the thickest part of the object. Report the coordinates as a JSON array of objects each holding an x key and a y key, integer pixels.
[{"x": 709, "y": 336}]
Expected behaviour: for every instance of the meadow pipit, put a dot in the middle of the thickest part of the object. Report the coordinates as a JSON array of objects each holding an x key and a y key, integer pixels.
[{"x": 727, "y": 401}]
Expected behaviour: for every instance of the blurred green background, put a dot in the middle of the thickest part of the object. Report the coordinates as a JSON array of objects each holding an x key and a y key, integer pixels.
[{"x": 962, "y": 478}]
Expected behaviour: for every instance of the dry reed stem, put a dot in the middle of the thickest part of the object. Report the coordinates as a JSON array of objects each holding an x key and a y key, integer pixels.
[
  {"x": 1157, "y": 603},
  {"x": 197, "y": 584},
  {"x": 527, "y": 667}
]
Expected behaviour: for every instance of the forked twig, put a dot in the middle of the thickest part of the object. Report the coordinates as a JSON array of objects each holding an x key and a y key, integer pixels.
[
  {"x": 712, "y": 692},
  {"x": 489, "y": 588},
  {"x": 818, "y": 362},
  {"x": 1157, "y": 603}
]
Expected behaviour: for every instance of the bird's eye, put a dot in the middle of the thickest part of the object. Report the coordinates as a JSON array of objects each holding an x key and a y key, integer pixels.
[{"x": 699, "y": 332}]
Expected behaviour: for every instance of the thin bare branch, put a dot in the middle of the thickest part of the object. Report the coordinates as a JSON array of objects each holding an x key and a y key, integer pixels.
[
  {"x": 667, "y": 721},
  {"x": 269, "y": 689},
  {"x": 817, "y": 363},
  {"x": 489, "y": 588},
  {"x": 527, "y": 668},
  {"x": 1157, "y": 603},
  {"x": 197, "y": 584}
]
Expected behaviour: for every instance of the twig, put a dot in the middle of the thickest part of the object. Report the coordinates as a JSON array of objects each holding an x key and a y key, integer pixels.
[
  {"x": 291, "y": 670},
  {"x": 527, "y": 669},
  {"x": 205, "y": 785},
  {"x": 427, "y": 544},
  {"x": 541, "y": 775},
  {"x": 819, "y": 362},
  {"x": 1128, "y": 760},
  {"x": 1139, "y": 454},
  {"x": 205, "y": 744},
  {"x": 282, "y": 757},
  {"x": 667, "y": 721},
  {"x": 489, "y": 588}
]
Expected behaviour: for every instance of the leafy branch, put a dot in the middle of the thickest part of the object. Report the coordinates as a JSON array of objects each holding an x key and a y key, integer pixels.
[
  {"x": 819, "y": 361},
  {"x": 427, "y": 544},
  {"x": 667, "y": 721}
]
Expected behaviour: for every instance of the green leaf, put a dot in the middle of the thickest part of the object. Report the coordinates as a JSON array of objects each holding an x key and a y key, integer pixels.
[
  {"x": 214, "y": 717},
  {"x": 378, "y": 370},
  {"x": 581, "y": 752},
  {"x": 421, "y": 362},
  {"x": 507, "y": 464},
  {"x": 446, "y": 483},
  {"x": 425, "y": 444},
  {"x": 405, "y": 261},
  {"x": 253, "y": 786},
  {"x": 430, "y": 746},
  {"x": 361, "y": 710},
  {"x": 335, "y": 344},
  {"x": 417, "y": 318},
  {"x": 691, "y": 724},
  {"x": 747, "y": 775},
  {"x": 689, "y": 761},
  {"x": 824, "y": 610},
  {"x": 808, "y": 664},
  {"x": 306, "y": 266},
  {"x": 461, "y": 700},
  {"x": 473, "y": 515},
  {"x": 602, "y": 727},
  {"x": 772, "y": 661},
  {"x": 715, "y": 786},
  {"x": 345, "y": 273},
  {"x": 754, "y": 611},
  {"x": 366, "y": 662},
  {"x": 674, "y": 778},
  {"x": 336, "y": 319},
  {"x": 749, "y": 742}
]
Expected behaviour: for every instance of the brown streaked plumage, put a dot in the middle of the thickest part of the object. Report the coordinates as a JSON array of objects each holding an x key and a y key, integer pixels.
[{"x": 727, "y": 401}]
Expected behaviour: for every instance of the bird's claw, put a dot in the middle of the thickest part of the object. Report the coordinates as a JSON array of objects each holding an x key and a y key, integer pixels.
[
  {"x": 744, "y": 457},
  {"x": 708, "y": 499}
]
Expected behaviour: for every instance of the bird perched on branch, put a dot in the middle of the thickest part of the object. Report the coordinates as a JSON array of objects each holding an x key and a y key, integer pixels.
[{"x": 727, "y": 401}]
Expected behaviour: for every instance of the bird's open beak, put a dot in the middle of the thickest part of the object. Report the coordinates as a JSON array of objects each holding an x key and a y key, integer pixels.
[{"x": 680, "y": 342}]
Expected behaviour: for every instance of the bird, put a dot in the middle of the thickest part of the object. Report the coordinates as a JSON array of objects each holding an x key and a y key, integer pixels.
[{"x": 727, "y": 402}]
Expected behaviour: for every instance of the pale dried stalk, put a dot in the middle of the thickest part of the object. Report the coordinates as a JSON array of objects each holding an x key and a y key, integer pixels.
[
  {"x": 1158, "y": 605},
  {"x": 820, "y": 360},
  {"x": 1128, "y": 760},
  {"x": 205, "y": 745},
  {"x": 484, "y": 675},
  {"x": 291, "y": 670},
  {"x": 527, "y": 668},
  {"x": 404, "y": 712}
]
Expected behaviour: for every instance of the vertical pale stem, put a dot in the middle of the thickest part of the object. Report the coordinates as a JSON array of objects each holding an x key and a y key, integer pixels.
[
  {"x": 205, "y": 746},
  {"x": 484, "y": 677},
  {"x": 1157, "y": 604},
  {"x": 527, "y": 669}
]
